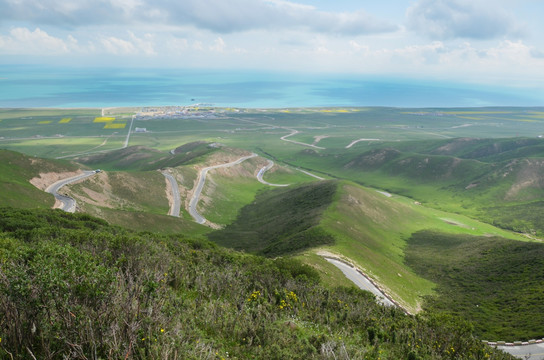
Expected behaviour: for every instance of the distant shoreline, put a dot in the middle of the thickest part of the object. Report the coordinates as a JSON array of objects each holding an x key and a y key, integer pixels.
[{"x": 273, "y": 108}]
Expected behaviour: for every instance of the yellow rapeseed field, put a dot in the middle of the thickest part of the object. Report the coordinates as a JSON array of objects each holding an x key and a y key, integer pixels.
[
  {"x": 475, "y": 112},
  {"x": 115, "y": 126},
  {"x": 470, "y": 117},
  {"x": 65, "y": 120}
]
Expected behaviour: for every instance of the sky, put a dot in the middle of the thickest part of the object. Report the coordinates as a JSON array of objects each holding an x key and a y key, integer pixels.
[{"x": 480, "y": 41}]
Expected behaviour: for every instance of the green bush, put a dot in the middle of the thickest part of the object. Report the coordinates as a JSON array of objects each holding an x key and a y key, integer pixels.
[{"x": 109, "y": 293}]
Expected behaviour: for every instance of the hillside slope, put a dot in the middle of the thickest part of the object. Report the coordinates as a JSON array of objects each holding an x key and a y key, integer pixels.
[
  {"x": 484, "y": 178},
  {"x": 144, "y": 158},
  {"x": 18, "y": 170},
  {"x": 495, "y": 282},
  {"x": 362, "y": 225},
  {"x": 280, "y": 221},
  {"x": 72, "y": 286}
]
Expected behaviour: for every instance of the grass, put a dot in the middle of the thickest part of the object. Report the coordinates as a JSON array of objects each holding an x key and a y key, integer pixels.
[
  {"x": 469, "y": 176},
  {"x": 16, "y": 171},
  {"x": 371, "y": 230},
  {"x": 236, "y": 131},
  {"x": 494, "y": 176},
  {"x": 144, "y": 221},
  {"x": 54, "y": 147},
  {"x": 280, "y": 221},
  {"x": 331, "y": 276},
  {"x": 226, "y": 196},
  {"x": 143, "y": 158},
  {"x": 495, "y": 282},
  {"x": 285, "y": 175}
]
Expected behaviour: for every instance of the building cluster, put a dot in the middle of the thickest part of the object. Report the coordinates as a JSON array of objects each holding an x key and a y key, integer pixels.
[{"x": 175, "y": 112}]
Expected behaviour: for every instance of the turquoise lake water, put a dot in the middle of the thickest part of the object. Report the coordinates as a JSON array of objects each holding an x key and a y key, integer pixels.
[{"x": 37, "y": 86}]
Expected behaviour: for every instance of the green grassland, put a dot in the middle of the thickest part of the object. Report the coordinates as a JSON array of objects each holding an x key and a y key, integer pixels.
[
  {"x": 228, "y": 190},
  {"x": 457, "y": 172},
  {"x": 356, "y": 223},
  {"x": 478, "y": 179},
  {"x": 280, "y": 221},
  {"x": 15, "y": 172},
  {"x": 251, "y": 128},
  {"x": 144, "y": 158},
  {"x": 148, "y": 222}
]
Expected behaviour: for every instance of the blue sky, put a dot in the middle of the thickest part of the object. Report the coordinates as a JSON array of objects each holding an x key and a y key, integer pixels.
[{"x": 480, "y": 41}]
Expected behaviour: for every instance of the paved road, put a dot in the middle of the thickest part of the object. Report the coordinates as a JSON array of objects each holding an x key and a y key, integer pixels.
[
  {"x": 294, "y": 132},
  {"x": 125, "y": 145},
  {"x": 529, "y": 352},
  {"x": 68, "y": 204},
  {"x": 359, "y": 140},
  {"x": 175, "y": 208},
  {"x": 201, "y": 180},
  {"x": 361, "y": 281},
  {"x": 265, "y": 169},
  {"x": 310, "y": 174}
]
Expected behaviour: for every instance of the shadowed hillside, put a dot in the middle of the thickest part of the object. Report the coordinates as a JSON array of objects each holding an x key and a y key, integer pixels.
[
  {"x": 495, "y": 282},
  {"x": 281, "y": 221}
]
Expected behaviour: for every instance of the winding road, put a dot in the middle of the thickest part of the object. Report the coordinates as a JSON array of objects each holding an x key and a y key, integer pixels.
[
  {"x": 359, "y": 140},
  {"x": 200, "y": 185},
  {"x": 68, "y": 204},
  {"x": 175, "y": 208},
  {"x": 294, "y": 132},
  {"x": 265, "y": 169},
  {"x": 310, "y": 174},
  {"x": 360, "y": 280}
]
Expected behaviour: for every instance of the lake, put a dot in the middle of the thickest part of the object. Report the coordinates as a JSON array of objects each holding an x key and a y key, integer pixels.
[{"x": 46, "y": 86}]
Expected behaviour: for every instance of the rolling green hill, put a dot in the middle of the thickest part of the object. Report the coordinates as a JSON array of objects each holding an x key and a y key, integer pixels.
[
  {"x": 144, "y": 158},
  {"x": 73, "y": 286},
  {"x": 494, "y": 282},
  {"x": 360, "y": 224},
  {"x": 280, "y": 221},
  {"x": 16, "y": 171},
  {"x": 484, "y": 178}
]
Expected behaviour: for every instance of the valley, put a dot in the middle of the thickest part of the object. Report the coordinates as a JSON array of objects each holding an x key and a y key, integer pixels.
[{"x": 419, "y": 200}]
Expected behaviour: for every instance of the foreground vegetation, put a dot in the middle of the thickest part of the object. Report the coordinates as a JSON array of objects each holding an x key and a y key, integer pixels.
[{"x": 72, "y": 286}]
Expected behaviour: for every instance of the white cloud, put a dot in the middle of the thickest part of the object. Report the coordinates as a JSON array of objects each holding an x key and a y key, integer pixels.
[
  {"x": 355, "y": 46},
  {"x": 133, "y": 45},
  {"x": 118, "y": 46},
  {"x": 448, "y": 19},
  {"x": 218, "y": 45},
  {"x": 24, "y": 41},
  {"x": 219, "y": 16},
  {"x": 144, "y": 44}
]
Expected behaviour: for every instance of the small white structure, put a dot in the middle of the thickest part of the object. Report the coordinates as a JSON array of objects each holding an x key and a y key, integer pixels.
[{"x": 140, "y": 130}]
